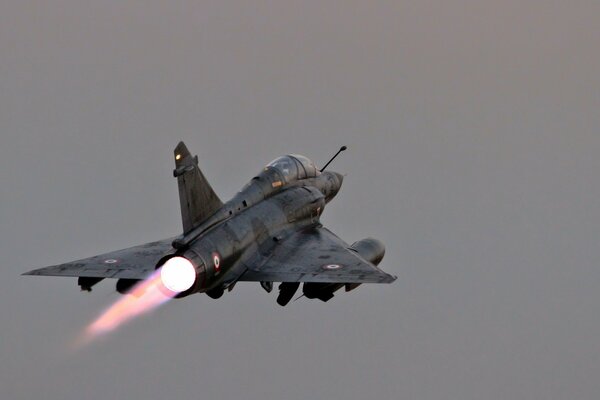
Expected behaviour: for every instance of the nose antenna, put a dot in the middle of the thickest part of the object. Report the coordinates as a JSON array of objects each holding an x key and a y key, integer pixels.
[{"x": 333, "y": 158}]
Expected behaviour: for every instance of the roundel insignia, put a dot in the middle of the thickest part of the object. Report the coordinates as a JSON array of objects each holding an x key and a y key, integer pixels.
[
  {"x": 332, "y": 266},
  {"x": 110, "y": 261},
  {"x": 217, "y": 262}
]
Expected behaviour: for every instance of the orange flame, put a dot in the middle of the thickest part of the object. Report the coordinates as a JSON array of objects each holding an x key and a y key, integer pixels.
[{"x": 143, "y": 298}]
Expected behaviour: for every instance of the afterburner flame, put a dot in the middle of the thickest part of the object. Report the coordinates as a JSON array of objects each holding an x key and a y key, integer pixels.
[
  {"x": 144, "y": 297},
  {"x": 178, "y": 274}
]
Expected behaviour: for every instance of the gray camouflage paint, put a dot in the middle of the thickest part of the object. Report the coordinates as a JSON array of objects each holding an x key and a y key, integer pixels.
[{"x": 268, "y": 232}]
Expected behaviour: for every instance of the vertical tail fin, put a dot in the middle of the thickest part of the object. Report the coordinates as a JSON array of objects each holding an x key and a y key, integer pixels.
[{"x": 197, "y": 198}]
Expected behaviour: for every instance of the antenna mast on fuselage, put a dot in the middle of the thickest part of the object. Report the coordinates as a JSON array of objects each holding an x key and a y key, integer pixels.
[{"x": 333, "y": 158}]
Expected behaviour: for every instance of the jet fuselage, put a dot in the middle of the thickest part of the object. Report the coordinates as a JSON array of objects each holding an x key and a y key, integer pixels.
[{"x": 264, "y": 212}]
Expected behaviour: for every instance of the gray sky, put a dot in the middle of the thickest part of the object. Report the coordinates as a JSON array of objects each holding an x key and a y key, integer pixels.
[{"x": 474, "y": 134}]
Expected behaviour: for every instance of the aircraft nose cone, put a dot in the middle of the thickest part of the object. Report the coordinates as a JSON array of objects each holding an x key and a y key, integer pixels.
[
  {"x": 340, "y": 178},
  {"x": 334, "y": 180}
]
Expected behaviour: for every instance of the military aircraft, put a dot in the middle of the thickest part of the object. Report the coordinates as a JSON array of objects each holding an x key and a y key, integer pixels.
[{"x": 268, "y": 232}]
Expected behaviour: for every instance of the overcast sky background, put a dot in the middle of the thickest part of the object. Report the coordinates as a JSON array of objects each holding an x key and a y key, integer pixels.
[{"x": 473, "y": 130}]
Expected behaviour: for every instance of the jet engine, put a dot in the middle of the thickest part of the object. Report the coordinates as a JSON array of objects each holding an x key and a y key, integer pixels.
[
  {"x": 181, "y": 274},
  {"x": 178, "y": 274}
]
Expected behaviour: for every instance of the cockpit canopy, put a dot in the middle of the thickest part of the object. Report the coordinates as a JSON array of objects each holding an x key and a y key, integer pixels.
[{"x": 294, "y": 167}]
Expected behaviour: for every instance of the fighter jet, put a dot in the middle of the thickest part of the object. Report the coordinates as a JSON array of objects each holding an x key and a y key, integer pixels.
[{"x": 270, "y": 231}]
